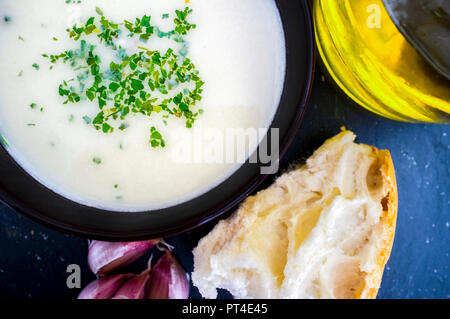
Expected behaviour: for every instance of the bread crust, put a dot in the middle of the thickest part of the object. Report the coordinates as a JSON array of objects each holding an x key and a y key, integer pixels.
[{"x": 389, "y": 219}]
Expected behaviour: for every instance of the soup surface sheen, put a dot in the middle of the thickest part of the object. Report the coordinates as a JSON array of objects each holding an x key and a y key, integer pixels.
[{"x": 238, "y": 47}]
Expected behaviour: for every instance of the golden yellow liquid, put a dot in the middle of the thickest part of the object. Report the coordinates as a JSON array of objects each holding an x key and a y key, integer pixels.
[{"x": 376, "y": 66}]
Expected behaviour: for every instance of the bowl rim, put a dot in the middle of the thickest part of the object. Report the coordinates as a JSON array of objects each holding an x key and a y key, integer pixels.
[{"x": 213, "y": 213}]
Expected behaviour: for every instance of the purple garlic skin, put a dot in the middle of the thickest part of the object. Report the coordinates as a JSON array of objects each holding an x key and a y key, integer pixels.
[
  {"x": 168, "y": 280},
  {"x": 134, "y": 288},
  {"x": 103, "y": 288},
  {"x": 105, "y": 257}
]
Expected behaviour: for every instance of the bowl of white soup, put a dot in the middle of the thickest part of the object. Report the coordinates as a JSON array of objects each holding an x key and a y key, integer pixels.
[{"x": 127, "y": 120}]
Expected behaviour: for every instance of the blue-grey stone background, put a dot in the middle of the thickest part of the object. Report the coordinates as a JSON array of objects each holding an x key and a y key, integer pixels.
[{"x": 33, "y": 258}]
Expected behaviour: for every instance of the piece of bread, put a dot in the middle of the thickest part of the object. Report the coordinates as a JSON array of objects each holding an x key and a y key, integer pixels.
[{"x": 324, "y": 230}]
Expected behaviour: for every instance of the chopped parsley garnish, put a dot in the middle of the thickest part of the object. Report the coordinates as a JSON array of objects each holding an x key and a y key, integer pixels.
[
  {"x": 99, "y": 11},
  {"x": 87, "y": 119},
  {"x": 36, "y": 66},
  {"x": 156, "y": 138},
  {"x": 146, "y": 82},
  {"x": 97, "y": 160},
  {"x": 7, "y": 19},
  {"x": 34, "y": 106},
  {"x": 3, "y": 141}
]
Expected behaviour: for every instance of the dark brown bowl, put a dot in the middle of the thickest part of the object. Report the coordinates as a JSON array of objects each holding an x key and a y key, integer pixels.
[{"x": 27, "y": 196}]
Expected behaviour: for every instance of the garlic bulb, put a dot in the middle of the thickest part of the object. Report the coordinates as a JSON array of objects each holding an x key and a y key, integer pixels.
[
  {"x": 168, "y": 280},
  {"x": 103, "y": 288},
  {"x": 134, "y": 288},
  {"x": 105, "y": 257}
]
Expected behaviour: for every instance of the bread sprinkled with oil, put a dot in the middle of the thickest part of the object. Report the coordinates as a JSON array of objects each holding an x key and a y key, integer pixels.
[{"x": 324, "y": 230}]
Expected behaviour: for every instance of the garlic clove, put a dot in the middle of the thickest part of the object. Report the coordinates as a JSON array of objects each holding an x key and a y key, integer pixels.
[
  {"x": 105, "y": 257},
  {"x": 168, "y": 280},
  {"x": 103, "y": 288},
  {"x": 134, "y": 288}
]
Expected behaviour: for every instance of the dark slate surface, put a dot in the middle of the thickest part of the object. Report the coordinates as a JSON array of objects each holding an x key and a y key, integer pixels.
[{"x": 33, "y": 259}]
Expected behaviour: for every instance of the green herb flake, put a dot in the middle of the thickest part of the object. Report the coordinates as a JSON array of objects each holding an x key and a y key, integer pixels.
[
  {"x": 156, "y": 139},
  {"x": 36, "y": 66},
  {"x": 99, "y": 11},
  {"x": 87, "y": 119},
  {"x": 3, "y": 141},
  {"x": 97, "y": 160}
]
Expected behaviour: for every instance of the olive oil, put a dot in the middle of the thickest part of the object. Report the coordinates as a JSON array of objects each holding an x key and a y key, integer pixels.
[{"x": 375, "y": 65}]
